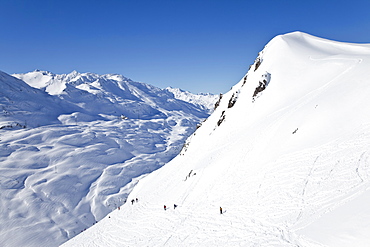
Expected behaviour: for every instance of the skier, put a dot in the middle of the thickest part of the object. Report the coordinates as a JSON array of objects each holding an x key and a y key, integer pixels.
[
  {"x": 132, "y": 201},
  {"x": 137, "y": 200},
  {"x": 174, "y": 206},
  {"x": 164, "y": 207},
  {"x": 220, "y": 210}
]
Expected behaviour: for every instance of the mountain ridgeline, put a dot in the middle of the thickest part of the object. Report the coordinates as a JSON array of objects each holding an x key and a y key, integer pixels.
[{"x": 115, "y": 95}]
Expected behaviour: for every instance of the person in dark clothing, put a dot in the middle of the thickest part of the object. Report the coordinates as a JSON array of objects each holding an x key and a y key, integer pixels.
[
  {"x": 132, "y": 201},
  {"x": 137, "y": 200},
  {"x": 174, "y": 206},
  {"x": 164, "y": 207},
  {"x": 220, "y": 210}
]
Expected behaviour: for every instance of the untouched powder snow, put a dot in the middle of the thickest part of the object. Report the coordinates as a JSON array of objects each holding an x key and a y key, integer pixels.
[
  {"x": 72, "y": 154},
  {"x": 285, "y": 154}
]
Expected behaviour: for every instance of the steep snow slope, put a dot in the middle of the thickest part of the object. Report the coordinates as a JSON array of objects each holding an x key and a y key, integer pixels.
[
  {"x": 285, "y": 154},
  {"x": 68, "y": 159}
]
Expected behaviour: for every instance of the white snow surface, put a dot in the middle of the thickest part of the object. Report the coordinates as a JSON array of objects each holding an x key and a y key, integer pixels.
[
  {"x": 73, "y": 146},
  {"x": 289, "y": 165}
]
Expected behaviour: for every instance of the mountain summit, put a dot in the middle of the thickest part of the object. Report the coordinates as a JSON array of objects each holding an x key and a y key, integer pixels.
[{"x": 285, "y": 155}]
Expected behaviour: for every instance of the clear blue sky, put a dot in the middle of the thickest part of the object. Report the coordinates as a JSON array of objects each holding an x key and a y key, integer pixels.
[{"x": 196, "y": 45}]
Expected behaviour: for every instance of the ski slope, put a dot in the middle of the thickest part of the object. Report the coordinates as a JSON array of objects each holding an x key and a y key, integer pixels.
[{"x": 285, "y": 154}]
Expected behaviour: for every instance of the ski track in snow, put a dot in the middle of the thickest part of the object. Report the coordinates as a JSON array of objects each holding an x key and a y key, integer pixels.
[{"x": 270, "y": 216}]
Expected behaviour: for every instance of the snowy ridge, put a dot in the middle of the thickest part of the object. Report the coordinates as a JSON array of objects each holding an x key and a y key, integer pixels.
[
  {"x": 72, "y": 154},
  {"x": 285, "y": 154},
  {"x": 202, "y": 100},
  {"x": 116, "y": 95}
]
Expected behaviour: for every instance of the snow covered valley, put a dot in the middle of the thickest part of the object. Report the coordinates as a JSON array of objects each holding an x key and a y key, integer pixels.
[
  {"x": 73, "y": 146},
  {"x": 285, "y": 154}
]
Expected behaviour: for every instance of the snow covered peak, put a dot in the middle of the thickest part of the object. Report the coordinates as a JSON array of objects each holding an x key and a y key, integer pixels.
[
  {"x": 285, "y": 154},
  {"x": 55, "y": 84},
  {"x": 52, "y": 83},
  {"x": 23, "y": 105},
  {"x": 303, "y": 43},
  {"x": 295, "y": 63},
  {"x": 116, "y": 77},
  {"x": 74, "y": 73}
]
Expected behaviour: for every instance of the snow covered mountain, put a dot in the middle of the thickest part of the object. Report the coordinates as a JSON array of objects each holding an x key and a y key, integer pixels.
[
  {"x": 286, "y": 155},
  {"x": 201, "y": 100},
  {"x": 111, "y": 96},
  {"x": 23, "y": 106},
  {"x": 73, "y": 146}
]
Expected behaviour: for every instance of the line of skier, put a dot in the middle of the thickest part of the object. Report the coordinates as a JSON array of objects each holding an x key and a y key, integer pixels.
[
  {"x": 175, "y": 206},
  {"x": 164, "y": 206}
]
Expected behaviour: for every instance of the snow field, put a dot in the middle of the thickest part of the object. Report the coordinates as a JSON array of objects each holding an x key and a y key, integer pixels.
[
  {"x": 289, "y": 166},
  {"x": 78, "y": 158}
]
